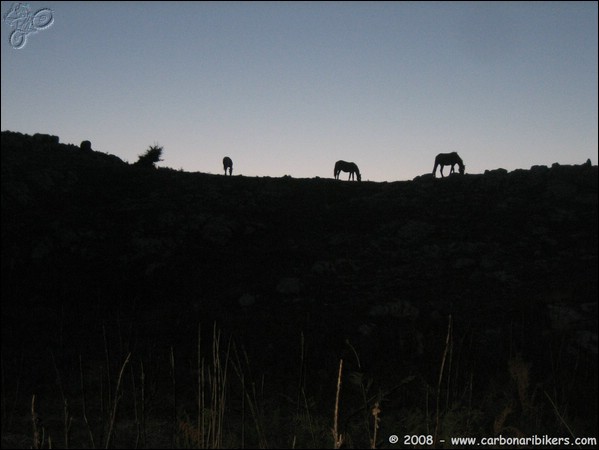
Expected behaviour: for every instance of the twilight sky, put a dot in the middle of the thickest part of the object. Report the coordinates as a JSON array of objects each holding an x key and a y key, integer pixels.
[{"x": 289, "y": 88}]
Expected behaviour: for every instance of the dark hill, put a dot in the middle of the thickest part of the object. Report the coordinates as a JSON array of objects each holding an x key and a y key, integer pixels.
[{"x": 491, "y": 278}]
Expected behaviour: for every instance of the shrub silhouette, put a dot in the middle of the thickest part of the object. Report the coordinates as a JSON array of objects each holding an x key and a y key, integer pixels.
[{"x": 150, "y": 157}]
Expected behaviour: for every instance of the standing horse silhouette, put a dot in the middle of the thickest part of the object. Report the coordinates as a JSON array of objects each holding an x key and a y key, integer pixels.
[
  {"x": 448, "y": 159},
  {"x": 228, "y": 164},
  {"x": 344, "y": 166}
]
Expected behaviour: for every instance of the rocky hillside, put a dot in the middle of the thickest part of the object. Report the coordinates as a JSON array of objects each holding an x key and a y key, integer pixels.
[{"x": 465, "y": 305}]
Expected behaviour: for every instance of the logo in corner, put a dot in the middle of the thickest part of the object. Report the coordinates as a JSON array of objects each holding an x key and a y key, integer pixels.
[{"x": 26, "y": 22}]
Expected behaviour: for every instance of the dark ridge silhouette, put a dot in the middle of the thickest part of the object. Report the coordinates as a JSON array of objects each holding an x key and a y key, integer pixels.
[
  {"x": 48, "y": 148},
  {"x": 344, "y": 166},
  {"x": 86, "y": 146},
  {"x": 102, "y": 260},
  {"x": 448, "y": 159},
  {"x": 228, "y": 164}
]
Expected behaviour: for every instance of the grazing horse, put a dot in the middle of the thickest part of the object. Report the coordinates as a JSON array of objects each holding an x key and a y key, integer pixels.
[
  {"x": 448, "y": 159},
  {"x": 347, "y": 167},
  {"x": 228, "y": 164}
]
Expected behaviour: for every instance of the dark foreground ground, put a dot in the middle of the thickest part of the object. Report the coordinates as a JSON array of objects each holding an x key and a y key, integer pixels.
[{"x": 157, "y": 308}]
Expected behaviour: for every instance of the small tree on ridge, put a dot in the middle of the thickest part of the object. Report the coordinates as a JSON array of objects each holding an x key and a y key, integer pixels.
[{"x": 150, "y": 157}]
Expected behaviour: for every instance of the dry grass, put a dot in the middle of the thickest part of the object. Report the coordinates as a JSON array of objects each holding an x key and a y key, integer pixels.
[{"x": 114, "y": 410}]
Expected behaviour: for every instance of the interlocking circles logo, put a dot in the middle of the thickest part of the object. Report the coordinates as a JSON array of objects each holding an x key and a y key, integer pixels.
[{"x": 26, "y": 22}]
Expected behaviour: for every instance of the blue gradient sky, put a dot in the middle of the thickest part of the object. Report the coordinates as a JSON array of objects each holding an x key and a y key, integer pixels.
[{"x": 289, "y": 88}]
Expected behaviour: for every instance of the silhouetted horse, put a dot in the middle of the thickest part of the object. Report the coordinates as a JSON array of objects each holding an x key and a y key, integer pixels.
[
  {"x": 448, "y": 159},
  {"x": 228, "y": 164},
  {"x": 344, "y": 166}
]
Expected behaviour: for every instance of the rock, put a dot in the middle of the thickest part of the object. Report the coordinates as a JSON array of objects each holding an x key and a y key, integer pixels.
[
  {"x": 86, "y": 146},
  {"x": 217, "y": 231},
  {"x": 289, "y": 286},
  {"x": 247, "y": 300},
  {"x": 399, "y": 309},
  {"x": 323, "y": 268}
]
